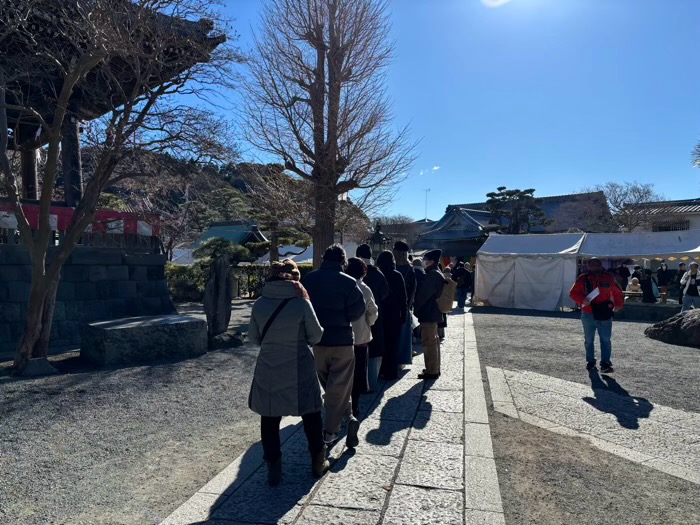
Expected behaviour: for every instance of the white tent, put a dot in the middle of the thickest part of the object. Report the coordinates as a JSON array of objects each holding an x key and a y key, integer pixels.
[
  {"x": 537, "y": 271},
  {"x": 648, "y": 245},
  {"x": 528, "y": 271}
]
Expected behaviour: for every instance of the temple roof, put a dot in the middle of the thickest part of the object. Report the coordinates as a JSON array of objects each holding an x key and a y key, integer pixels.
[{"x": 186, "y": 43}]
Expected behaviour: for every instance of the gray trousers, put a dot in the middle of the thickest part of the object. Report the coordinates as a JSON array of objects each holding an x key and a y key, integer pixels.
[{"x": 335, "y": 366}]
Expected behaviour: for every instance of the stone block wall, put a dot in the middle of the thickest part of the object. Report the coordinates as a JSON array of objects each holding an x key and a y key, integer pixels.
[{"x": 96, "y": 284}]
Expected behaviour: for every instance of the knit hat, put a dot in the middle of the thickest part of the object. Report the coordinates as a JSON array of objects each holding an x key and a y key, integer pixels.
[
  {"x": 400, "y": 246},
  {"x": 433, "y": 255},
  {"x": 363, "y": 251}
]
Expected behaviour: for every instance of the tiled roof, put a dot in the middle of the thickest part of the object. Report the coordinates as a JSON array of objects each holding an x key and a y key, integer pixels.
[{"x": 672, "y": 207}]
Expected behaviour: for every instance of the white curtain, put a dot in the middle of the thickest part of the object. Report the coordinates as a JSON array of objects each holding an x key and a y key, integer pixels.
[{"x": 535, "y": 282}]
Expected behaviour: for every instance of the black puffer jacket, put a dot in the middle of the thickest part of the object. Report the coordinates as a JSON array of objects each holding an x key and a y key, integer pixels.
[
  {"x": 380, "y": 289},
  {"x": 409, "y": 277},
  {"x": 337, "y": 302},
  {"x": 425, "y": 307}
]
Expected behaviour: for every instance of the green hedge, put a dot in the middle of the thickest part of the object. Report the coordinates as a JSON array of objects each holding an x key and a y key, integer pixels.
[{"x": 186, "y": 282}]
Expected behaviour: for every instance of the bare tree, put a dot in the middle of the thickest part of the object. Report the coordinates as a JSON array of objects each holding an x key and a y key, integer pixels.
[
  {"x": 129, "y": 62},
  {"x": 186, "y": 198},
  {"x": 628, "y": 202},
  {"x": 316, "y": 99},
  {"x": 400, "y": 227}
]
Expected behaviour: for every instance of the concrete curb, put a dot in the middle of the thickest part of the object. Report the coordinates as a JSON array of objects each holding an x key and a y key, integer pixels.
[{"x": 482, "y": 494}]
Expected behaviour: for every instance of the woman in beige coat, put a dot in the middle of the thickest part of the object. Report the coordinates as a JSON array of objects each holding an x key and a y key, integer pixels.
[{"x": 285, "y": 383}]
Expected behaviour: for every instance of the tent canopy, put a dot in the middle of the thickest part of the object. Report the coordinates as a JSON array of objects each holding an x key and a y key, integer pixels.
[
  {"x": 528, "y": 245},
  {"x": 648, "y": 244}
]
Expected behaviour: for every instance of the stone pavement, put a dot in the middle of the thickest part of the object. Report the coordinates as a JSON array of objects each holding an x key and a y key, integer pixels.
[
  {"x": 659, "y": 437},
  {"x": 425, "y": 457}
]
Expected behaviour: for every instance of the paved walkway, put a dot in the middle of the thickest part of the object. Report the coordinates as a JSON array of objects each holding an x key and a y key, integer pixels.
[
  {"x": 659, "y": 437},
  {"x": 425, "y": 457}
]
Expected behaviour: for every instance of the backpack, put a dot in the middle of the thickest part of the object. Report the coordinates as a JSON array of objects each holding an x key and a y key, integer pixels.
[{"x": 447, "y": 297}]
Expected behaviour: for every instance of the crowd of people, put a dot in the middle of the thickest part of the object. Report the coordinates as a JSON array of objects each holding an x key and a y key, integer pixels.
[
  {"x": 340, "y": 329},
  {"x": 650, "y": 286},
  {"x": 599, "y": 294}
]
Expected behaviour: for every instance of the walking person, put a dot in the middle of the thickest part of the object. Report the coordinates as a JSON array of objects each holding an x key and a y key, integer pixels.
[
  {"x": 362, "y": 332},
  {"x": 380, "y": 289},
  {"x": 647, "y": 285},
  {"x": 394, "y": 313},
  {"x": 447, "y": 274},
  {"x": 664, "y": 276},
  {"x": 404, "y": 267},
  {"x": 285, "y": 326},
  {"x": 690, "y": 283},
  {"x": 464, "y": 282},
  {"x": 600, "y": 296},
  {"x": 338, "y": 302},
  {"x": 428, "y": 313},
  {"x": 679, "y": 275}
]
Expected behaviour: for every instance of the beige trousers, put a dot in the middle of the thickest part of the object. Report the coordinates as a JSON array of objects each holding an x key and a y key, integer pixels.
[
  {"x": 431, "y": 347},
  {"x": 335, "y": 366}
]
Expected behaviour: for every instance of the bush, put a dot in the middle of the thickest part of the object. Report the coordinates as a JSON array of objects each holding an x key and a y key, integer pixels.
[{"x": 186, "y": 282}]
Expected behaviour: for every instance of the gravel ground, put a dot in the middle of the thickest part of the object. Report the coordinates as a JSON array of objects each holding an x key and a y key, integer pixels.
[
  {"x": 547, "y": 478},
  {"x": 553, "y": 345},
  {"x": 120, "y": 446}
]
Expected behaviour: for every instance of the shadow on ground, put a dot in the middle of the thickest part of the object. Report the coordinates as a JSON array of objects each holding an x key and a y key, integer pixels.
[
  {"x": 611, "y": 398},
  {"x": 250, "y": 499}
]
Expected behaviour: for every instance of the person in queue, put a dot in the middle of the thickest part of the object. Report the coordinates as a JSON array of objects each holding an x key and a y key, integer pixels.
[
  {"x": 338, "y": 302},
  {"x": 429, "y": 314},
  {"x": 362, "y": 333},
  {"x": 284, "y": 324}
]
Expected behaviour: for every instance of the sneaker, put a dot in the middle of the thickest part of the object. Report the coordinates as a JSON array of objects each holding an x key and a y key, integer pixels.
[
  {"x": 319, "y": 464},
  {"x": 330, "y": 437},
  {"x": 274, "y": 472},
  {"x": 426, "y": 375},
  {"x": 353, "y": 427},
  {"x": 606, "y": 367},
  {"x": 591, "y": 365}
]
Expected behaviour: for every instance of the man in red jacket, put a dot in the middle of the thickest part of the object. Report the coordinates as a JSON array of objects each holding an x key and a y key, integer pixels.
[{"x": 599, "y": 295}]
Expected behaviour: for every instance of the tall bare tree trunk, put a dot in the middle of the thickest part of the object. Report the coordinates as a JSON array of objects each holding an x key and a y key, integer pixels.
[{"x": 324, "y": 228}]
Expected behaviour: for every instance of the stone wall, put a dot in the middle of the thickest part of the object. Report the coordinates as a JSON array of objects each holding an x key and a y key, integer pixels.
[{"x": 96, "y": 284}]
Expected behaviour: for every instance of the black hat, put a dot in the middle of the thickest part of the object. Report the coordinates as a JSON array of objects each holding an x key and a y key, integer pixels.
[
  {"x": 401, "y": 246},
  {"x": 363, "y": 251},
  {"x": 433, "y": 255}
]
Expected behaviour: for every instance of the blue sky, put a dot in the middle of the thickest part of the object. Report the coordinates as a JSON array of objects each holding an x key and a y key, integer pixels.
[{"x": 547, "y": 94}]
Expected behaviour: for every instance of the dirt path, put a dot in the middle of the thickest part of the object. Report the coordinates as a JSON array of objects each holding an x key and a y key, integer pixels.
[{"x": 120, "y": 446}]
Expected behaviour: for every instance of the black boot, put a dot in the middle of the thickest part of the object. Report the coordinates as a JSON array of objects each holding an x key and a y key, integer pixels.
[
  {"x": 319, "y": 463},
  {"x": 274, "y": 472}
]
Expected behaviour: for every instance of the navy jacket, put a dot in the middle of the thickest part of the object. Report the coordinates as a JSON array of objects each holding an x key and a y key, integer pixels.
[
  {"x": 429, "y": 290},
  {"x": 337, "y": 301}
]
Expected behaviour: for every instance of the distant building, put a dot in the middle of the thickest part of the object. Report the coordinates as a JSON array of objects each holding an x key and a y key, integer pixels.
[
  {"x": 457, "y": 234},
  {"x": 465, "y": 227},
  {"x": 587, "y": 212},
  {"x": 665, "y": 216},
  {"x": 239, "y": 232}
]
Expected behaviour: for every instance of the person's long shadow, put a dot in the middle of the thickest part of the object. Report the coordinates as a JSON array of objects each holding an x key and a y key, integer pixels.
[
  {"x": 246, "y": 496},
  {"x": 611, "y": 398},
  {"x": 400, "y": 413}
]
